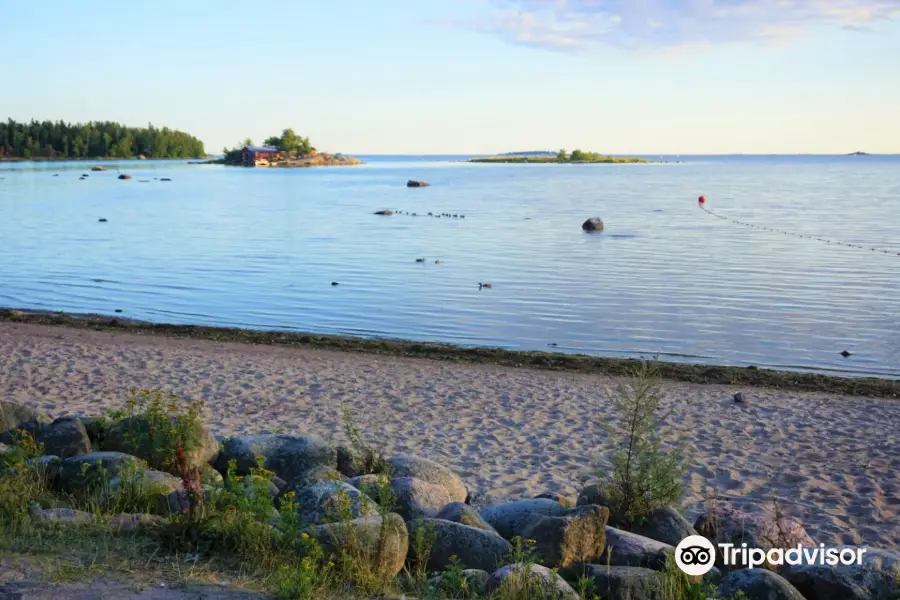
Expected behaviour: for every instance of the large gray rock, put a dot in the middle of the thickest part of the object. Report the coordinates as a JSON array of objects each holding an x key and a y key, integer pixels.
[
  {"x": 332, "y": 501},
  {"x": 535, "y": 583},
  {"x": 593, "y": 494},
  {"x": 15, "y": 416},
  {"x": 665, "y": 525},
  {"x": 156, "y": 486},
  {"x": 370, "y": 485},
  {"x": 460, "y": 512},
  {"x": 132, "y": 436},
  {"x": 474, "y": 548},
  {"x": 379, "y": 542},
  {"x": 758, "y": 584},
  {"x": 575, "y": 537},
  {"x": 727, "y": 525},
  {"x": 625, "y": 583},
  {"x": 79, "y": 472},
  {"x": 405, "y": 465},
  {"x": 511, "y": 519},
  {"x": 469, "y": 584},
  {"x": 627, "y": 549},
  {"x": 415, "y": 498},
  {"x": 288, "y": 456},
  {"x": 593, "y": 224},
  {"x": 877, "y": 578},
  {"x": 65, "y": 437}
]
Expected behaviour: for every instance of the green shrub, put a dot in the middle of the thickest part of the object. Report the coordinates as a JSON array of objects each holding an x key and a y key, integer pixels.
[
  {"x": 644, "y": 477},
  {"x": 154, "y": 423}
]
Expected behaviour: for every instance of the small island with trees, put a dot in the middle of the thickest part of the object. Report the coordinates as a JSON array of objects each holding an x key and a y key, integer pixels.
[
  {"x": 576, "y": 156},
  {"x": 286, "y": 150},
  {"x": 57, "y": 140}
]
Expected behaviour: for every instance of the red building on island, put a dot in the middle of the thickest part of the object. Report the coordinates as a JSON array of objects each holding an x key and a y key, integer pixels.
[{"x": 259, "y": 156}]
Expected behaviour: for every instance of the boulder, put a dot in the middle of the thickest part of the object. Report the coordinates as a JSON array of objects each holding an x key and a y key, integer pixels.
[
  {"x": 415, "y": 498},
  {"x": 511, "y": 519},
  {"x": 386, "y": 213},
  {"x": 576, "y": 537},
  {"x": 48, "y": 466},
  {"x": 370, "y": 485},
  {"x": 758, "y": 584},
  {"x": 665, "y": 525},
  {"x": 96, "y": 428},
  {"x": 332, "y": 501},
  {"x": 158, "y": 487},
  {"x": 381, "y": 542},
  {"x": 124, "y": 176},
  {"x": 627, "y": 549},
  {"x": 875, "y": 579},
  {"x": 132, "y": 435},
  {"x": 308, "y": 478},
  {"x": 59, "y": 515},
  {"x": 593, "y": 494},
  {"x": 79, "y": 472},
  {"x": 14, "y": 417},
  {"x": 98, "y": 168},
  {"x": 473, "y": 548},
  {"x": 65, "y": 437},
  {"x": 593, "y": 224},
  {"x": 405, "y": 465},
  {"x": 131, "y": 521},
  {"x": 416, "y": 183},
  {"x": 288, "y": 456},
  {"x": 535, "y": 583},
  {"x": 727, "y": 525},
  {"x": 556, "y": 498},
  {"x": 631, "y": 583},
  {"x": 469, "y": 584},
  {"x": 209, "y": 476},
  {"x": 459, "y": 512}
]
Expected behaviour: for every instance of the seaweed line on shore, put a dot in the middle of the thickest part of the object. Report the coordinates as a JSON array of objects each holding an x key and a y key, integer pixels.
[{"x": 552, "y": 361}]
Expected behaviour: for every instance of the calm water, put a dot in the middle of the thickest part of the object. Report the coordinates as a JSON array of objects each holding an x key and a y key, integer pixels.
[{"x": 260, "y": 248}]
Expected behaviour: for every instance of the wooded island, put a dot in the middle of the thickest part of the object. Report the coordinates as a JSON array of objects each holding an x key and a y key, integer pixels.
[{"x": 58, "y": 140}]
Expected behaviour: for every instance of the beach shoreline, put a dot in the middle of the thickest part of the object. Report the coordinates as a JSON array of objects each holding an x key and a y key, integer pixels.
[
  {"x": 551, "y": 361},
  {"x": 829, "y": 460}
]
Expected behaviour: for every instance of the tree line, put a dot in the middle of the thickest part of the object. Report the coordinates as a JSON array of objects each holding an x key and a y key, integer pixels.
[{"x": 100, "y": 139}]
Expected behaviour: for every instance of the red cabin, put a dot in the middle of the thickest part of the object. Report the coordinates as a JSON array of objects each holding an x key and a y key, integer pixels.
[{"x": 259, "y": 156}]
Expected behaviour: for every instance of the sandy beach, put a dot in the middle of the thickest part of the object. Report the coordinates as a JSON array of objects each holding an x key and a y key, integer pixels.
[{"x": 832, "y": 461}]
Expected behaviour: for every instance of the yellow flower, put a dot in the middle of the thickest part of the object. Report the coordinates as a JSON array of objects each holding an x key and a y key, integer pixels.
[
  {"x": 330, "y": 564},
  {"x": 305, "y": 536},
  {"x": 530, "y": 542}
]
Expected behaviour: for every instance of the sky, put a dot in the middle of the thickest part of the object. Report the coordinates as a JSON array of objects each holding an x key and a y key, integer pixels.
[{"x": 469, "y": 76}]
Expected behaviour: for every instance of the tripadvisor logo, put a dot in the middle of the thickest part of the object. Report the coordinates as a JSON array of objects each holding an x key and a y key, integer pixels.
[{"x": 695, "y": 555}]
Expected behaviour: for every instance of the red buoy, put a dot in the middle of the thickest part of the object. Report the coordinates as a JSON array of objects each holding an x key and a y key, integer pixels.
[{"x": 701, "y": 200}]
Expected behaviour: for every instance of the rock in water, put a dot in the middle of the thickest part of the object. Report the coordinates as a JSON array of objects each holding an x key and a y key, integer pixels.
[
  {"x": 416, "y": 183},
  {"x": 593, "y": 224},
  {"x": 124, "y": 176},
  {"x": 386, "y": 213}
]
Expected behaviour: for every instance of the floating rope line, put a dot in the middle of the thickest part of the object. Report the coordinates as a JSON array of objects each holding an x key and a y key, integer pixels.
[{"x": 797, "y": 235}]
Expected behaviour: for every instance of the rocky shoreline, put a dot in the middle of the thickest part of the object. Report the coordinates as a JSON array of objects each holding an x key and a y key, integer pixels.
[{"x": 336, "y": 493}]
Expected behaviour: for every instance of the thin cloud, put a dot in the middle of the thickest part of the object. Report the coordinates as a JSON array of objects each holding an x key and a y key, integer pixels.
[{"x": 574, "y": 25}]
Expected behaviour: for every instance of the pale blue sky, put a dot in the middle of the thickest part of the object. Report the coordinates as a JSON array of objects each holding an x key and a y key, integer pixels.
[{"x": 470, "y": 76}]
